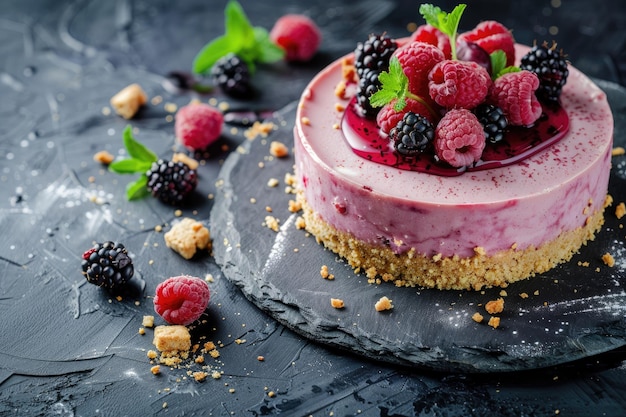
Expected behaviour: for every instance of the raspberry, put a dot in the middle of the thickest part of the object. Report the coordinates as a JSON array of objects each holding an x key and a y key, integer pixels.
[
  {"x": 181, "y": 300},
  {"x": 417, "y": 59},
  {"x": 197, "y": 125},
  {"x": 514, "y": 93},
  {"x": 374, "y": 54},
  {"x": 107, "y": 265},
  {"x": 433, "y": 36},
  {"x": 298, "y": 35},
  {"x": 463, "y": 84},
  {"x": 550, "y": 66},
  {"x": 412, "y": 134},
  {"x": 232, "y": 75},
  {"x": 459, "y": 138},
  {"x": 388, "y": 118},
  {"x": 491, "y": 36},
  {"x": 170, "y": 181}
]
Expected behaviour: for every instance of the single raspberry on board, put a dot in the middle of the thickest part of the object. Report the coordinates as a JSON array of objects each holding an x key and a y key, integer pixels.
[
  {"x": 514, "y": 93},
  {"x": 459, "y": 138},
  {"x": 298, "y": 35},
  {"x": 432, "y": 35},
  {"x": 182, "y": 299},
  {"x": 491, "y": 36},
  {"x": 417, "y": 59},
  {"x": 197, "y": 125},
  {"x": 388, "y": 118},
  {"x": 458, "y": 84}
]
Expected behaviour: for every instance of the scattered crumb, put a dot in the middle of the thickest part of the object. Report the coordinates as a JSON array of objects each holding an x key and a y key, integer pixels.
[
  {"x": 337, "y": 303},
  {"x": 216, "y": 375},
  {"x": 325, "y": 273},
  {"x": 103, "y": 157},
  {"x": 260, "y": 358},
  {"x": 294, "y": 206},
  {"x": 128, "y": 101},
  {"x": 156, "y": 369},
  {"x": 620, "y": 210},
  {"x": 608, "y": 259},
  {"x": 272, "y": 223},
  {"x": 151, "y": 354},
  {"x": 479, "y": 250},
  {"x": 185, "y": 159},
  {"x": 618, "y": 150},
  {"x": 524, "y": 295},
  {"x": 187, "y": 236},
  {"x": 477, "y": 317},
  {"x": 305, "y": 121},
  {"x": 279, "y": 149},
  {"x": 494, "y": 322},
  {"x": 200, "y": 376},
  {"x": 339, "y": 107},
  {"x": 148, "y": 321},
  {"x": 271, "y": 394},
  {"x": 172, "y": 339},
  {"x": 495, "y": 306},
  {"x": 142, "y": 331},
  {"x": 383, "y": 304},
  {"x": 259, "y": 129},
  {"x": 273, "y": 182}
]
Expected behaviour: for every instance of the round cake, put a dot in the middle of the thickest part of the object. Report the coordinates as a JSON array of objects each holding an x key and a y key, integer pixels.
[{"x": 483, "y": 228}]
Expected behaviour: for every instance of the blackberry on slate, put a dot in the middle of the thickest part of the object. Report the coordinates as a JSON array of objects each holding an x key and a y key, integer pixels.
[
  {"x": 170, "y": 181},
  {"x": 374, "y": 53},
  {"x": 232, "y": 75},
  {"x": 107, "y": 265},
  {"x": 550, "y": 66},
  {"x": 493, "y": 120},
  {"x": 412, "y": 134},
  {"x": 368, "y": 85}
]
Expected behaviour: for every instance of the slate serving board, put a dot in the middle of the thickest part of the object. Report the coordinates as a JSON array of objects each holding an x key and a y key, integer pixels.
[{"x": 572, "y": 312}]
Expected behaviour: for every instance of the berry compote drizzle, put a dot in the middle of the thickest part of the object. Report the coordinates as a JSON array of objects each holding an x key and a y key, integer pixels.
[{"x": 366, "y": 140}]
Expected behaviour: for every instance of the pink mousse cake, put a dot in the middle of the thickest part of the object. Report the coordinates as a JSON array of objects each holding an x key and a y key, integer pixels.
[{"x": 480, "y": 229}]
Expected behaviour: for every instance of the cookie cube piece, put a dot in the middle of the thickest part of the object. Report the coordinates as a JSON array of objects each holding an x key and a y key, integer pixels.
[
  {"x": 175, "y": 338},
  {"x": 127, "y": 102},
  {"x": 188, "y": 236}
]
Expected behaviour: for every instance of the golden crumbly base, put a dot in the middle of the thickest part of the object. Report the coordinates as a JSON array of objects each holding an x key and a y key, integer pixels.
[{"x": 449, "y": 273}]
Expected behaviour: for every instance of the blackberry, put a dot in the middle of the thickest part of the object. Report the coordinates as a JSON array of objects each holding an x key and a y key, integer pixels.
[
  {"x": 368, "y": 85},
  {"x": 374, "y": 53},
  {"x": 493, "y": 120},
  {"x": 550, "y": 66},
  {"x": 170, "y": 181},
  {"x": 232, "y": 75},
  {"x": 412, "y": 134},
  {"x": 107, "y": 265}
]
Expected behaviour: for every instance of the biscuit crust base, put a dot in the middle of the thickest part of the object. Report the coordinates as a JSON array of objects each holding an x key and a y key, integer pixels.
[{"x": 479, "y": 271}]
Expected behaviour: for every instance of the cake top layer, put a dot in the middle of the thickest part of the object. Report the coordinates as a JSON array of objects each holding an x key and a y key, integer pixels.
[{"x": 589, "y": 137}]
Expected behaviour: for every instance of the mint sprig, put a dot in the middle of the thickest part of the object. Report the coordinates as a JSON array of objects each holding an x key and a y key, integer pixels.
[
  {"x": 139, "y": 161},
  {"x": 447, "y": 23},
  {"x": 395, "y": 85},
  {"x": 251, "y": 43},
  {"x": 498, "y": 64}
]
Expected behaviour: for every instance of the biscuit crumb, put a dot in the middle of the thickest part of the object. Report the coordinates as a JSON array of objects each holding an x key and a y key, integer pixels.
[
  {"x": 156, "y": 369},
  {"x": 494, "y": 322},
  {"x": 608, "y": 259},
  {"x": 200, "y": 376},
  {"x": 142, "y": 331},
  {"x": 151, "y": 354},
  {"x": 103, "y": 157},
  {"x": 216, "y": 375},
  {"x": 495, "y": 306},
  {"x": 477, "y": 317},
  {"x": 188, "y": 236},
  {"x": 148, "y": 321},
  {"x": 325, "y": 273},
  {"x": 172, "y": 339},
  {"x": 479, "y": 250},
  {"x": 524, "y": 295},
  {"x": 620, "y": 210},
  {"x": 279, "y": 149},
  {"x": 305, "y": 121},
  {"x": 260, "y": 358},
  {"x": 259, "y": 129},
  {"x": 273, "y": 182},
  {"x": 271, "y": 223},
  {"x": 618, "y": 150},
  {"x": 127, "y": 101},
  {"x": 383, "y": 303},
  {"x": 337, "y": 303}
]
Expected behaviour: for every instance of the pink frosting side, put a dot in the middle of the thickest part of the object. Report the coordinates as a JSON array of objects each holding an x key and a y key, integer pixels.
[{"x": 525, "y": 204}]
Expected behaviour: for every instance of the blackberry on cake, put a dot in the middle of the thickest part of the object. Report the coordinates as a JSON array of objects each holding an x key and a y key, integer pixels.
[
  {"x": 374, "y": 53},
  {"x": 493, "y": 120},
  {"x": 550, "y": 66},
  {"x": 232, "y": 75},
  {"x": 107, "y": 265},
  {"x": 368, "y": 85},
  {"x": 412, "y": 135}
]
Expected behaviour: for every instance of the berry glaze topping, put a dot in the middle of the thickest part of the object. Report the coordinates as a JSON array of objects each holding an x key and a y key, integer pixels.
[{"x": 364, "y": 137}]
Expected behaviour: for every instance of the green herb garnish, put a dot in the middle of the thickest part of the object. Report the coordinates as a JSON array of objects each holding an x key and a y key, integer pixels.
[
  {"x": 447, "y": 23},
  {"x": 498, "y": 64},
  {"x": 140, "y": 161},
  {"x": 251, "y": 43}
]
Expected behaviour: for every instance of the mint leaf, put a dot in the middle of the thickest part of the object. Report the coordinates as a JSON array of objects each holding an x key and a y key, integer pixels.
[
  {"x": 448, "y": 23},
  {"x": 136, "y": 149},
  {"x": 268, "y": 51},
  {"x": 129, "y": 166},
  {"x": 394, "y": 84},
  {"x": 498, "y": 64},
  {"x": 238, "y": 27},
  {"x": 138, "y": 189},
  {"x": 211, "y": 52}
]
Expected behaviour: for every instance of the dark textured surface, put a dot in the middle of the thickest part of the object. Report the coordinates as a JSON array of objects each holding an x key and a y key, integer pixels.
[{"x": 69, "y": 349}]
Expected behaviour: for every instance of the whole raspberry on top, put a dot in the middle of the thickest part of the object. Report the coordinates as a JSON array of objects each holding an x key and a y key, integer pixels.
[
  {"x": 197, "y": 125},
  {"x": 455, "y": 84},
  {"x": 430, "y": 34},
  {"x": 417, "y": 59},
  {"x": 182, "y": 299},
  {"x": 514, "y": 93},
  {"x": 298, "y": 35},
  {"x": 459, "y": 138},
  {"x": 492, "y": 36}
]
